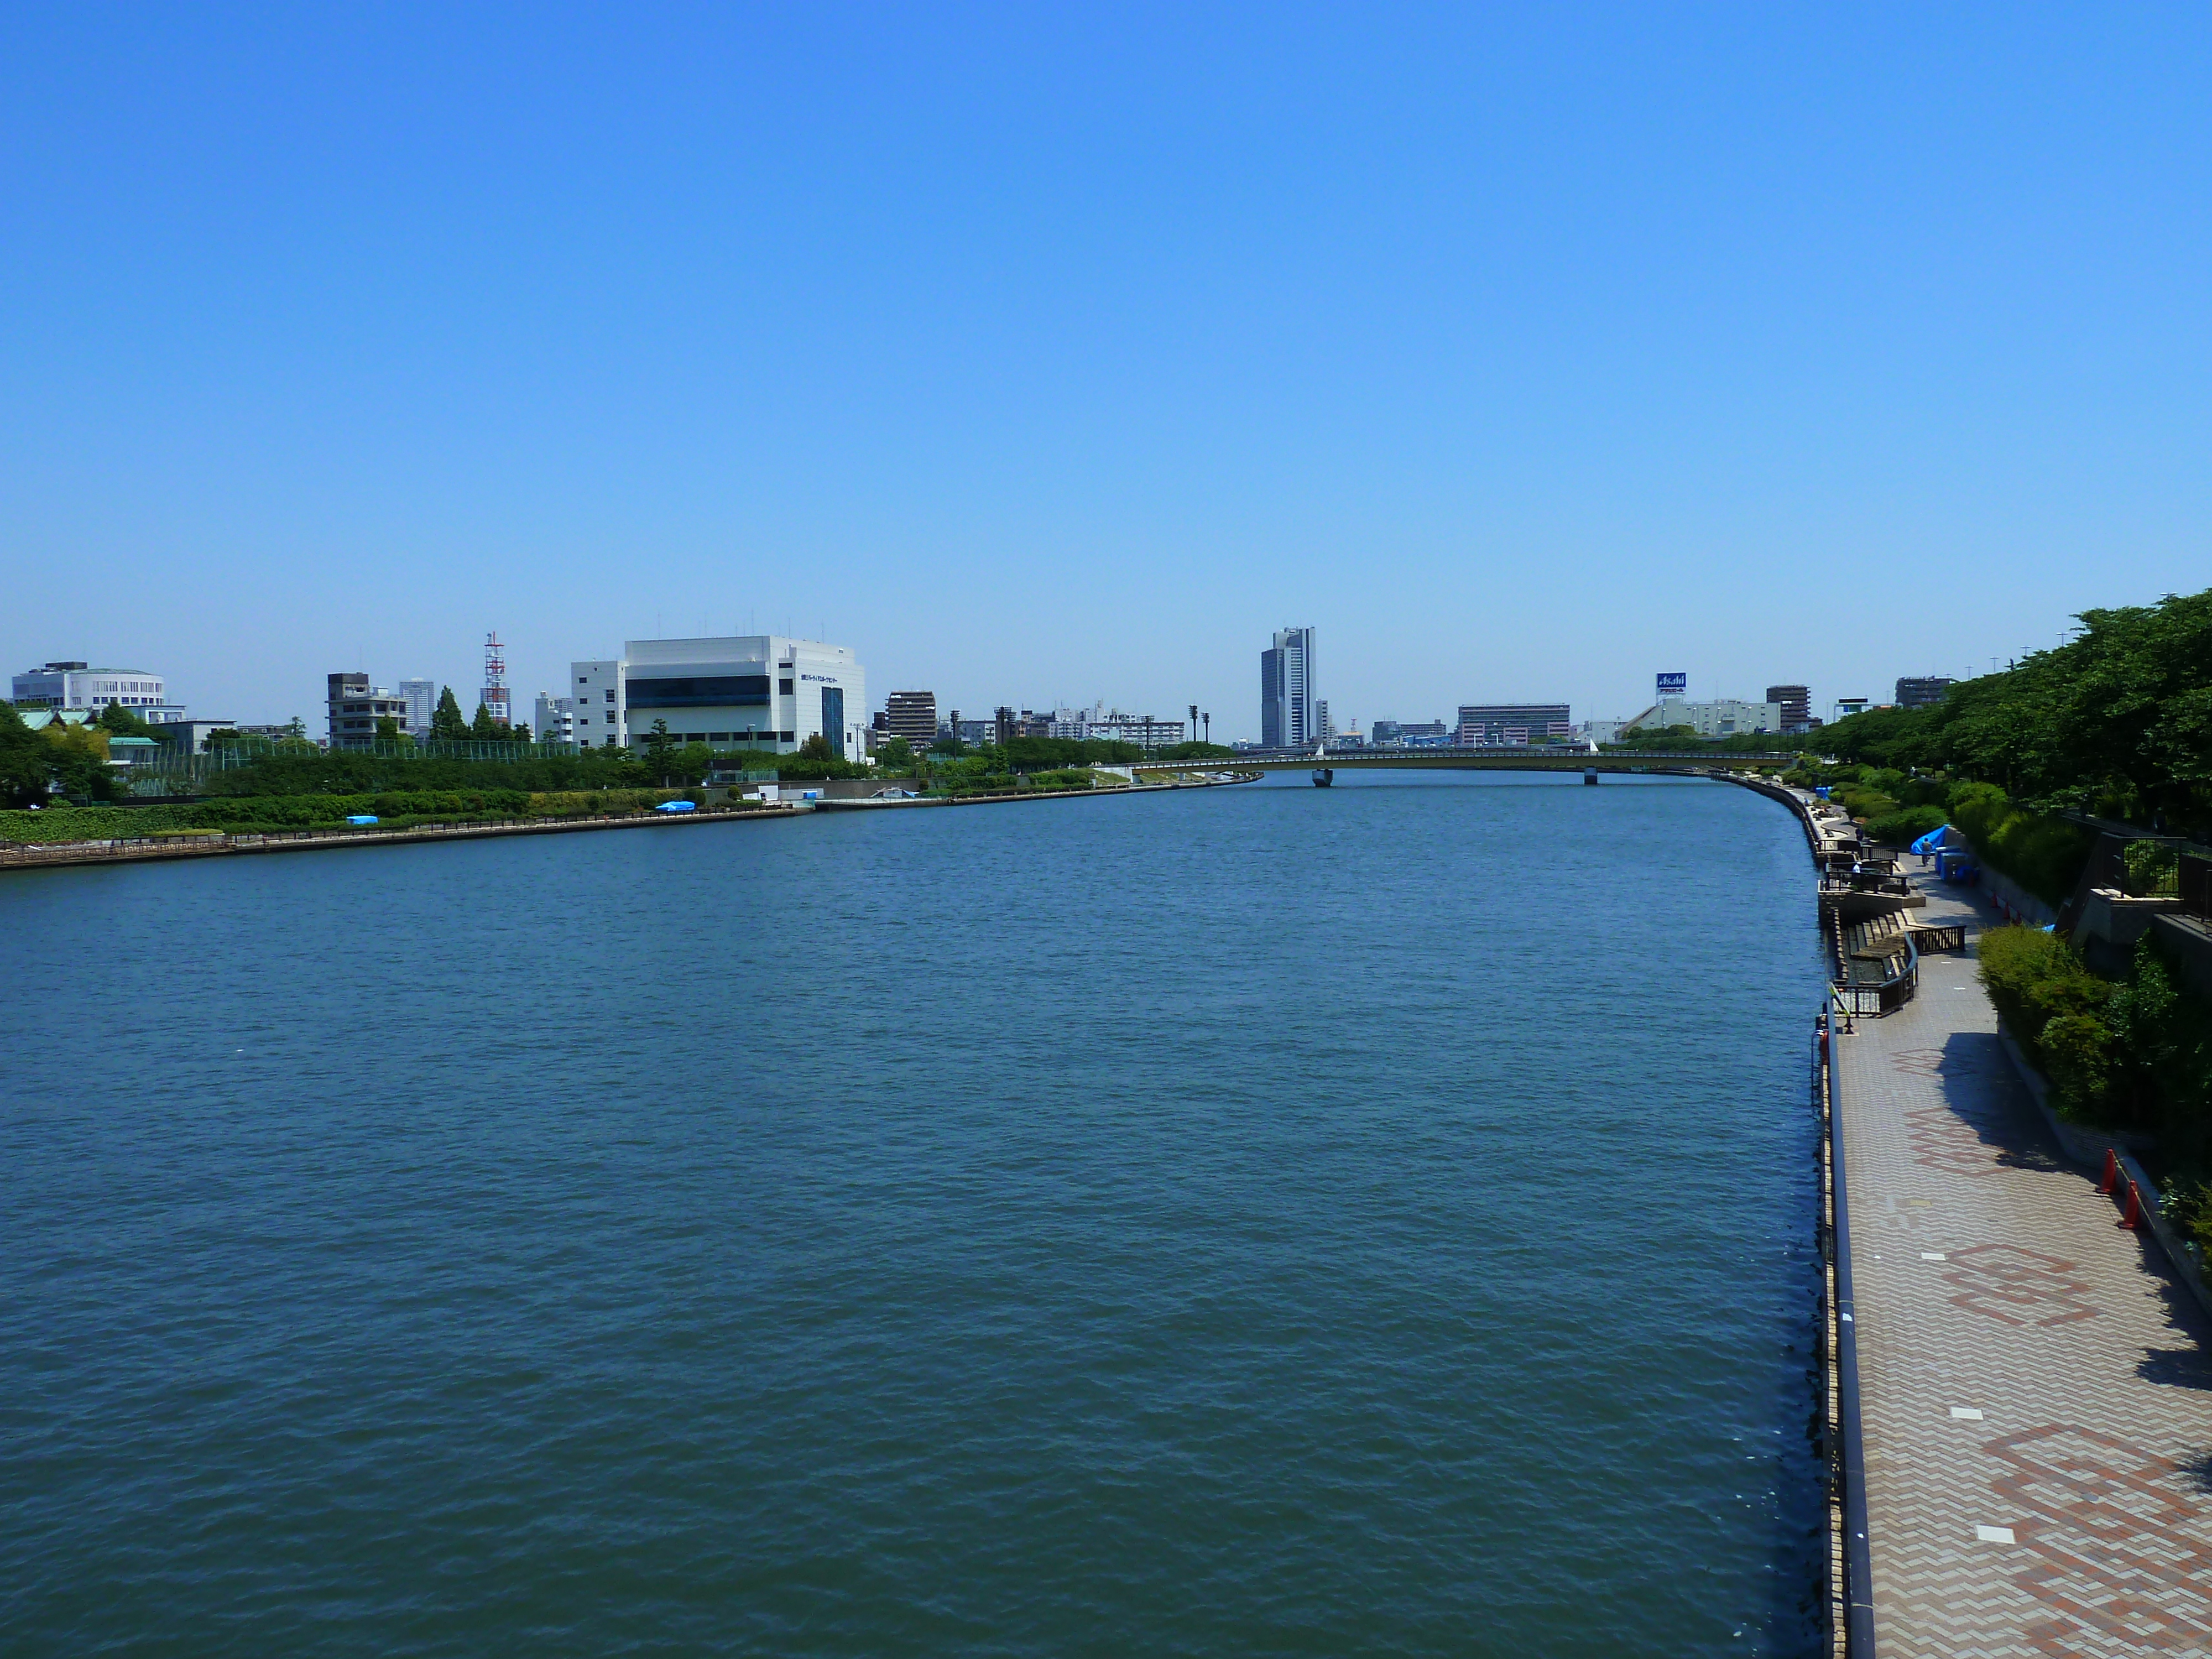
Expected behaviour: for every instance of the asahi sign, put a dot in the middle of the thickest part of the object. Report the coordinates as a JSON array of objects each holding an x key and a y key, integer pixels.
[{"x": 1673, "y": 685}]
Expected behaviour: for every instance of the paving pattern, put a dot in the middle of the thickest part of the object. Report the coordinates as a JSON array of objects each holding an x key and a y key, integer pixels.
[{"x": 2036, "y": 1392}]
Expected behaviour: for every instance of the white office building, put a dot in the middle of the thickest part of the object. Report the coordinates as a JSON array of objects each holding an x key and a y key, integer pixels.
[
  {"x": 554, "y": 720},
  {"x": 1724, "y": 717},
  {"x": 64, "y": 686},
  {"x": 753, "y": 691}
]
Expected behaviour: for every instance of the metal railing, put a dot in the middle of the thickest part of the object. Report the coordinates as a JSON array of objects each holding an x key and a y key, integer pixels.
[{"x": 1883, "y": 996}]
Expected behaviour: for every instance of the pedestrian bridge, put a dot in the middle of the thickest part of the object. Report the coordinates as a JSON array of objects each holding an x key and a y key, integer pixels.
[{"x": 1476, "y": 760}]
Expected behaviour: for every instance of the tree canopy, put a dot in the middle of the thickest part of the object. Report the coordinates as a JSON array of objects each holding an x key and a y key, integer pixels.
[
  {"x": 446, "y": 722},
  {"x": 2117, "y": 721}
]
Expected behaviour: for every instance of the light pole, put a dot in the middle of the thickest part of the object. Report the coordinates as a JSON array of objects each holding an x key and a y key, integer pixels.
[
  {"x": 1209, "y": 730},
  {"x": 1193, "y": 722}
]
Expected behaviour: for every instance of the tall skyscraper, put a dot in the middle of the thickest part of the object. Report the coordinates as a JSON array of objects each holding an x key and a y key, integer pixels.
[
  {"x": 422, "y": 702},
  {"x": 1288, "y": 718}
]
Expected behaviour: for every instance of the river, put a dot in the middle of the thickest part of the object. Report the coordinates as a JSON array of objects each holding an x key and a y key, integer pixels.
[{"x": 1257, "y": 1221}]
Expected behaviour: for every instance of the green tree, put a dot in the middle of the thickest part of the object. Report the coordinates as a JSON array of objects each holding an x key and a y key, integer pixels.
[
  {"x": 387, "y": 728},
  {"x": 27, "y": 767},
  {"x": 77, "y": 756},
  {"x": 660, "y": 751},
  {"x": 120, "y": 722},
  {"x": 896, "y": 755},
  {"x": 485, "y": 728},
  {"x": 1191, "y": 751},
  {"x": 445, "y": 722}
]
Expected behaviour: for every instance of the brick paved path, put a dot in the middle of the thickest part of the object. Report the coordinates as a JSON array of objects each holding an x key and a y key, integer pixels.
[{"x": 2036, "y": 1393}]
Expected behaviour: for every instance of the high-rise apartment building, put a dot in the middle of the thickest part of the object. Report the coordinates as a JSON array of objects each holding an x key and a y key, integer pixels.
[
  {"x": 912, "y": 715},
  {"x": 421, "y": 698},
  {"x": 1513, "y": 723},
  {"x": 1288, "y": 719},
  {"x": 1796, "y": 703},
  {"x": 1919, "y": 691}
]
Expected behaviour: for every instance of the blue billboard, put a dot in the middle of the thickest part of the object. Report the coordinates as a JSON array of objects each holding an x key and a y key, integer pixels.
[{"x": 1673, "y": 685}]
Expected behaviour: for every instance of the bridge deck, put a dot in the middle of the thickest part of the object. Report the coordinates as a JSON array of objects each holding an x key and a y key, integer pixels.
[{"x": 1496, "y": 760}]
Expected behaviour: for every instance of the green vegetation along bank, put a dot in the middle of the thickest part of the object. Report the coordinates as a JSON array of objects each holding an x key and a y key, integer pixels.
[
  {"x": 2133, "y": 1054},
  {"x": 393, "y": 809}
]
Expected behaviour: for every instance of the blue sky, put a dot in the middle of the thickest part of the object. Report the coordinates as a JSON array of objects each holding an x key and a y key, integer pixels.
[{"x": 1053, "y": 353}]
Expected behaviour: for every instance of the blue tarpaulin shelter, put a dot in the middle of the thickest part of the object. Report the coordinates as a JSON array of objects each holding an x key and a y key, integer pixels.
[{"x": 1936, "y": 840}]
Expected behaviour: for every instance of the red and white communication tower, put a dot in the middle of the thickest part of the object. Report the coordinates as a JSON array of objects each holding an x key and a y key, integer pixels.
[{"x": 494, "y": 694}]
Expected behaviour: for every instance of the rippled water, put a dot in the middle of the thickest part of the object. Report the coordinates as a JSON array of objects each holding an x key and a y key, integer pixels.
[{"x": 1257, "y": 1221}]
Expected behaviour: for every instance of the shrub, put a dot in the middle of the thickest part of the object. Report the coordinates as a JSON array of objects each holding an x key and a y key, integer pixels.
[
  {"x": 2150, "y": 867},
  {"x": 1902, "y": 828},
  {"x": 2077, "y": 1057},
  {"x": 2033, "y": 978},
  {"x": 2043, "y": 854}
]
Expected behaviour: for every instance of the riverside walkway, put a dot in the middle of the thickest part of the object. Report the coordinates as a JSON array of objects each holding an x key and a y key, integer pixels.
[{"x": 2035, "y": 1402}]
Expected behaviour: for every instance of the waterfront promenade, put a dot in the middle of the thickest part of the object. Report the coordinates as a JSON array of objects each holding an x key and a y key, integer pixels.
[{"x": 2035, "y": 1387}]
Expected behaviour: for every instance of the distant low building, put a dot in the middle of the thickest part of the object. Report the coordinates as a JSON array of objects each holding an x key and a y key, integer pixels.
[
  {"x": 191, "y": 736},
  {"x": 1920, "y": 691},
  {"x": 1722, "y": 717},
  {"x": 1409, "y": 734},
  {"x": 355, "y": 706},
  {"x": 1513, "y": 724},
  {"x": 554, "y": 718},
  {"x": 1097, "y": 724}
]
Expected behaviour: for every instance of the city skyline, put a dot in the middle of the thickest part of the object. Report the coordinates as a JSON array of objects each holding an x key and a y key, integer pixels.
[{"x": 1057, "y": 357}]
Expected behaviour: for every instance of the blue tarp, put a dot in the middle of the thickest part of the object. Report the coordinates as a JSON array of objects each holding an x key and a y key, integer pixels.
[
  {"x": 676, "y": 806},
  {"x": 361, "y": 817},
  {"x": 1935, "y": 840}
]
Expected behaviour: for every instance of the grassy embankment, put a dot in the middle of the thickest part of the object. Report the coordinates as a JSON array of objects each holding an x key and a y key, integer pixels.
[{"x": 261, "y": 814}]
